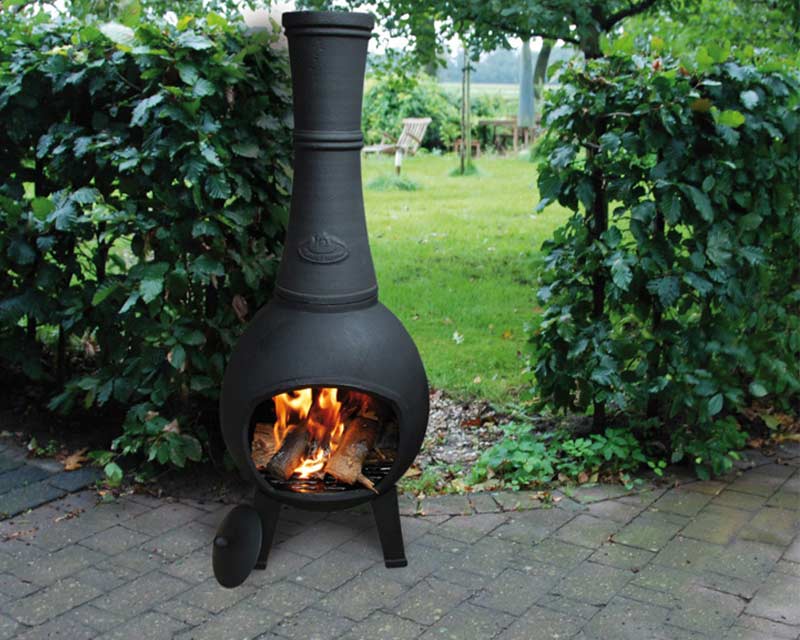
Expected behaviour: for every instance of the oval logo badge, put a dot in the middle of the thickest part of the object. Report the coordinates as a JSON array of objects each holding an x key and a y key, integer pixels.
[{"x": 322, "y": 248}]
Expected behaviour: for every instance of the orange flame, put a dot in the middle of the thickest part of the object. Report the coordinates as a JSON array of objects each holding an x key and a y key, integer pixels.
[{"x": 323, "y": 416}]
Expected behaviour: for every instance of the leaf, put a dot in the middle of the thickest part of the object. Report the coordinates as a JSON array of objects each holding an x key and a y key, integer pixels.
[
  {"x": 113, "y": 473},
  {"x": 715, "y": 404},
  {"x": 21, "y": 252},
  {"x": 700, "y": 200},
  {"x": 749, "y": 99},
  {"x": 210, "y": 154},
  {"x": 667, "y": 289},
  {"x": 203, "y": 88},
  {"x": 206, "y": 266},
  {"x": 118, "y": 33},
  {"x": 192, "y": 40},
  {"x": 103, "y": 291},
  {"x": 152, "y": 282},
  {"x": 246, "y": 149},
  {"x": 701, "y": 105},
  {"x": 42, "y": 207},
  {"x": 187, "y": 72},
  {"x": 192, "y": 448},
  {"x": 758, "y": 390},
  {"x": 217, "y": 186},
  {"x": 731, "y": 118},
  {"x": 76, "y": 460},
  {"x": 621, "y": 273},
  {"x": 142, "y": 109},
  {"x": 177, "y": 357}
]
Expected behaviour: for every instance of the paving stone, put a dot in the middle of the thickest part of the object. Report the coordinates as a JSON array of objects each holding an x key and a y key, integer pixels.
[
  {"x": 64, "y": 627},
  {"x": 760, "y": 484},
  {"x": 14, "y": 587},
  {"x": 785, "y": 499},
  {"x": 47, "y": 568},
  {"x": 21, "y": 476},
  {"x": 280, "y": 564},
  {"x": 514, "y": 591},
  {"x": 643, "y": 498},
  {"x": 209, "y": 595},
  {"x": 141, "y": 594},
  {"x": 332, "y": 570},
  {"x": 384, "y": 626},
  {"x": 772, "y": 526},
  {"x": 168, "y": 516},
  {"x": 746, "y": 559},
  {"x": 180, "y": 541},
  {"x": 471, "y": 528},
  {"x": 599, "y": 492},
  {"x": 114, "y": 540},
  {"x": 489, "y": 556},
  {"x": 622, "y": 557},
  {"x": 314, "y": 624},
  {"x": 705, "y": 611},
  {"x": 318, "y": 539},
  {"x": 285, "y": 598},
  {"x": 793, "y": 552},
  {"x": 361, "y": 596},
  {"x": 650, "y": 530},
  {"x": 633, "y": 591},
  {"x": 90, "y": 616},
  {"x": 691, "y": 555},
  {"x": 138, "y": 562},
  {"x": 242, "y": 621},
  {"x": 429, "y": 601},
  {"x": 469, "y": 621},
  {"x": 592, "y": 583},
  {"x": 151, "y": 625},
  {"x": 682, "y": 502},
  {"x": 73, "y": 480},
  {"x": 8, "y": 628},
  {"x": 768, "y": 627},
  {"x": 739, "y": 500},
  {"x": 449, "y": 505},
  {"x": 9, "y": 462},
  {"x": 542, "y": 624},
  {"x": 738, "y": 632},
  {"x": 532, "y": 526},
  {"x": 556, "y": 552},
  {"x": 28, "y": 497},
  {"x": 624, "y": 619},
  {"x": 51, "y": 601},
  {"x": 777, "y": 600},
  {"x": 615, "y": 510},
  {"x": 789, "y": 568},
  {"x": 183, "y": 612},
  {"x": 408, "y": 504},
  {"x": 483, "y": 503},
  {"x": 587, "y": 531},
  {"x": 716, "y": 524},
  {"x": 568, "y": 606},
  {"x": 710, "y": 487},
  {"x": 519, "y": 500}
]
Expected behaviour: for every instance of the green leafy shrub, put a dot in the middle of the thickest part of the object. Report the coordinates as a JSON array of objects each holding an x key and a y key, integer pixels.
[
  {"x": 143, "y": 203},
  {"x": 391, "y": 98},
  {"x": 527, "y": 458},
  {"x": 677, "y": 302}
]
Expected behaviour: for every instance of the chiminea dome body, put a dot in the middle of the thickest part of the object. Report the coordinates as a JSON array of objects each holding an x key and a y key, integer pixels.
[{"x": 325, "y": 326}]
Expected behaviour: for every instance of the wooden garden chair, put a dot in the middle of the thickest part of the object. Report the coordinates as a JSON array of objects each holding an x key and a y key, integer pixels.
[{"x": 407, "y": 144}]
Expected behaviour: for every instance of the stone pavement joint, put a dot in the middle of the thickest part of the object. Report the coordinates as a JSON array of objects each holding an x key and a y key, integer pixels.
[{"x": 703, "y": 560}]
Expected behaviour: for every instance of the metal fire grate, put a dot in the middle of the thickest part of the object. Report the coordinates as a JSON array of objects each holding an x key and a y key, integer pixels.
[{"x": 375, "y": 472}]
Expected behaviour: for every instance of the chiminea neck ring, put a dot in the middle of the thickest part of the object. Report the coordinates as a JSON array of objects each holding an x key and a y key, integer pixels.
[{"x": 333, "y": 140}]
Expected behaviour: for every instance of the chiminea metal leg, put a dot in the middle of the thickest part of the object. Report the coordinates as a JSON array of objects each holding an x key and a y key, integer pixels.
[
  {"x": 269, "y": 511},
  {"x": 387, "y": 517}
]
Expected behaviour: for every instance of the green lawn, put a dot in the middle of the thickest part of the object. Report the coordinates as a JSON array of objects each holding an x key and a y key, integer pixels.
[{"x": 457, "y": 261}]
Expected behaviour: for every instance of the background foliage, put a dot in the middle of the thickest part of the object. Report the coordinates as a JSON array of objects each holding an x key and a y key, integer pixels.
[
  {"x": 679, "y": 307},
  {"x": 146, "y": 173}
]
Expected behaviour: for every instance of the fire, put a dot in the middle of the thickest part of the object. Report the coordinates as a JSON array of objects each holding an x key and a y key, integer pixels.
[{"x": 324, "y": 418}]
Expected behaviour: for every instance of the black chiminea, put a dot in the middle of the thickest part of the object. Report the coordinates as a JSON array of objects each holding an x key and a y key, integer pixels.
[{"x": 325, "y": 399}]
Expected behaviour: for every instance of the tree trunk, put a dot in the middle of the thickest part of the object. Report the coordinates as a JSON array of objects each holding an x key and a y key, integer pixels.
[
  {"x": 540, "y": 71},
  {"x": 525, "y": 113}
]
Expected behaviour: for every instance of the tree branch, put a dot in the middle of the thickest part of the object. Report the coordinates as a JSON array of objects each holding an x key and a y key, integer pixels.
[{"x": 632, "y": 10}]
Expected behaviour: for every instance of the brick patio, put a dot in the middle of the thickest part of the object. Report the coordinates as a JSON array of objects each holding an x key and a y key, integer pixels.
[{"x": 717, "y": 559}]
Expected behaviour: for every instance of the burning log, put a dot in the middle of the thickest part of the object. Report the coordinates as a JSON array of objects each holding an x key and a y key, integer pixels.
[
  {"x": 263, "y": 447},
  {"x": 291, "y": 453},
  {"x": 357, "y": 441}
]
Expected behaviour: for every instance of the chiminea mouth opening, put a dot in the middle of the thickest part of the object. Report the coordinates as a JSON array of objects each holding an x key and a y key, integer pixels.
[{"x": 324, "y": 439}]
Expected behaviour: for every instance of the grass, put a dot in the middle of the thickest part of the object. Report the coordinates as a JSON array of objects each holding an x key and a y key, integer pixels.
[{"x": 457, "y": 261}]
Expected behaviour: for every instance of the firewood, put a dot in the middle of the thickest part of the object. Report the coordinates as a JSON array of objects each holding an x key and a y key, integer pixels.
[
  {"x": 263, "y": 447},
  {"x": 291, "y": 453},
  {"x": 346, "y": 462}
]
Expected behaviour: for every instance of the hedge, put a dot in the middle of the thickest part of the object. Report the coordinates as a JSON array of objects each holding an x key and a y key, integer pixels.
[
  {"x": 145, "y": 193},
  {"x": 672, "y": 293}
]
